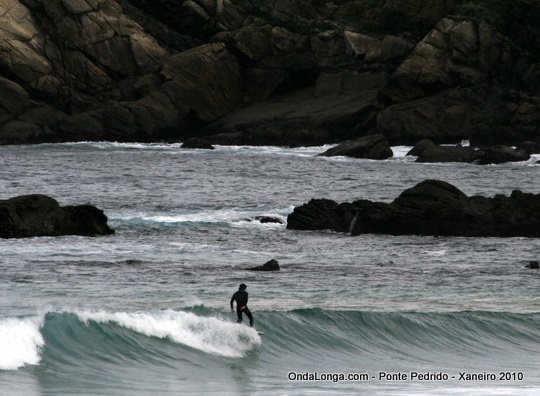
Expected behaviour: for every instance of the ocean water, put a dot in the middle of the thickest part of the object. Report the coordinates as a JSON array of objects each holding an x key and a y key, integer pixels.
[{"x": 146, "y": 311}]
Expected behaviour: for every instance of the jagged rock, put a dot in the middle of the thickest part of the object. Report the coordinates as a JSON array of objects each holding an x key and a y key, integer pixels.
[
  {"x": 374, "y": 49},
  {"x": 39, "y": 215},
  {"x": 510, "y": 120},
  {"x": 319, "y": 214},
  {"x": 253, "y": 41},
  {"x": 430, "y": 208},
  {"x": 315, "y": 72},
  {"x": 271, "y": 265},
  {"x": 438, "y": 118},
  {"x": 371, "y": 147},
  {"x": 14, "y": 100}
]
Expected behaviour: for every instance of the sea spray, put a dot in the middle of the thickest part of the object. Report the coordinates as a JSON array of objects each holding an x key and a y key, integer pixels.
[
  {"x": 20, "y": 342},
  {"x": 207, "y": 334}
]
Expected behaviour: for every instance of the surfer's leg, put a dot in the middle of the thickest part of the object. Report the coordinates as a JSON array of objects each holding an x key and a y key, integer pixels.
[
  {"x": 239, "y": 315},
  {"x": 249, "y": 315}
]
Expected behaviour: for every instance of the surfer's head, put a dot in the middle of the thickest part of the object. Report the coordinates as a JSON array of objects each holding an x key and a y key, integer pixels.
[{"x": 242, "y": 287}]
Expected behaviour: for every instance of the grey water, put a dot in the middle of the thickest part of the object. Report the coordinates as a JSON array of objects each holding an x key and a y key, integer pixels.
[{"x": 146, "y": 310}]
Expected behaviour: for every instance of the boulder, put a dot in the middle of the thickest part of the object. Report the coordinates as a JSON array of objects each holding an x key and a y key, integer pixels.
[
  {"x": 427, "y": 151},
  {"x": 430, "y": 208},
  {"x": 510, "y": 119},
  {"x": 371, "y": 147},
  {"x": 39, "y": 215},
  {"x": 533, "y": 265},
  {"x": 439, "y": 118},
  {"x": 268, "y": 220},
  {"x": 500, "y": 154},
  {"x": 271, "y": 265}
]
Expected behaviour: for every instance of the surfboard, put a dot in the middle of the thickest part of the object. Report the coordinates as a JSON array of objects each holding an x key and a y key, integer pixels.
[{"x": 260, "y": 333}]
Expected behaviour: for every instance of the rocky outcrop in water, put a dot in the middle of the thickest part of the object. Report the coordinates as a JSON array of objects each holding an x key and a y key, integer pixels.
[
  {"x": 430, "y": 208},
  {"x": 272, "y": 265},
  {"x": 371, "y": 147},
  {"x": 427, "y": 151},
  {"x": 265, "y": 72},
  {"x": 39, "y": 215}
]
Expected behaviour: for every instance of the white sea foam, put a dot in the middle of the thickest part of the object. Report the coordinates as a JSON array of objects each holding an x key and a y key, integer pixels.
[
  {"x": 440, "y": 252},
  {"x": 207, "y": 334},
  {"x": 230, "y": 215},
  {"x": 400, "y": 151},
  {"x": 20, "y": 342}
]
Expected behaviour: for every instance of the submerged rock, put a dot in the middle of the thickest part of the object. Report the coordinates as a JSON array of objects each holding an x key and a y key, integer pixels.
[
  {"x": 39, "y": 215},
  {"x": 430, "y": 208}
]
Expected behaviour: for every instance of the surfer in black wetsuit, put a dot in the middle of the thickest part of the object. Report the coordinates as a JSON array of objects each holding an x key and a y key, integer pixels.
[{"x": 241, "y": 297}]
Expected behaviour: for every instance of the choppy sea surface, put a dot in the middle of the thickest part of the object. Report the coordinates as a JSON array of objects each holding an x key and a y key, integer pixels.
[{"x": 146, "y": 311}]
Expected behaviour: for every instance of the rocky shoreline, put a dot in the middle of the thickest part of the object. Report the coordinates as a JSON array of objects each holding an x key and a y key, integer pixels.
[
  {"x": 260, "y": 72},
  {"x": 431, "y": 207}
]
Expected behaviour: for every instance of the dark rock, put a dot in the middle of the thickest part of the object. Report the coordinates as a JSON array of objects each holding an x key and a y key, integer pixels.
[
  {"x": 320, "y": 214},
  {"x": 39, "y": 215},
  {"x": 271, "y": 265},
  {"x": 427, "y": 151},
  {"x": 529, "y": 147},
  {"x": 295, "y": 119},
  {"x": 435, "y": 153},
  {"x": 500, "y": 154},
  {"x": 430, "y": 208},
  {"x": 533, "y": 265},
  {"x": 440, "y": 119},
  {"x": 196, "y": 143},
  {"x": 268, "y": 219},
  {"x": 372, "y": 147},
  {"x": 288, "y": 72}
]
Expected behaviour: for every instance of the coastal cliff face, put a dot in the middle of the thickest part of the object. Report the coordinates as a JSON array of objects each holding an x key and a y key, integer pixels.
[{"x": 269, "y": 72}]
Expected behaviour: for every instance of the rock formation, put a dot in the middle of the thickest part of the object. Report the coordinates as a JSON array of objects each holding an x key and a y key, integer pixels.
[
  {"x": 264, "y": 72},
  {"x": 371, "y": 147},
  {"x": 430, "y": 208},
  {"x": 271, "y": 265},
  {"x": 39, "y": 215},
  {"x": 427, "y": 151}
]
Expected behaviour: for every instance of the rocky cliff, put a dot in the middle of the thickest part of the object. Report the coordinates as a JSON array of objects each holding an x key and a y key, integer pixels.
[{"x": 285, "y": 72}]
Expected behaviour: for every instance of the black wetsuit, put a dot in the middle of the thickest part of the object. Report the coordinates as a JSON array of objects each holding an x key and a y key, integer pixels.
[{"x": 241, "y": 297}]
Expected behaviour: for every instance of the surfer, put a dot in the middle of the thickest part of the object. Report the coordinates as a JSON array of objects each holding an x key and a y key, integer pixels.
[{"x": 241, "y": 297}]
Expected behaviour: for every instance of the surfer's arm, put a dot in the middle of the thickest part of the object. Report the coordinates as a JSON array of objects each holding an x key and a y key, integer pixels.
[{"x": 232, "y": 302}]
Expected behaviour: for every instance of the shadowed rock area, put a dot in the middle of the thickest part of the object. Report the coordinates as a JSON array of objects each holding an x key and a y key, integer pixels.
[
  {"x": 263, "y": 72},
  {"x": 430, "y": 208},
  {"x": 39, "y": 215}
]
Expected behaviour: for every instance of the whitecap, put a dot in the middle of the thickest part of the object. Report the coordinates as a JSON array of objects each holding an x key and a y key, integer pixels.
[
  {"x": 20, "y": 342},
  {"x": 208, "y": 334}
]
